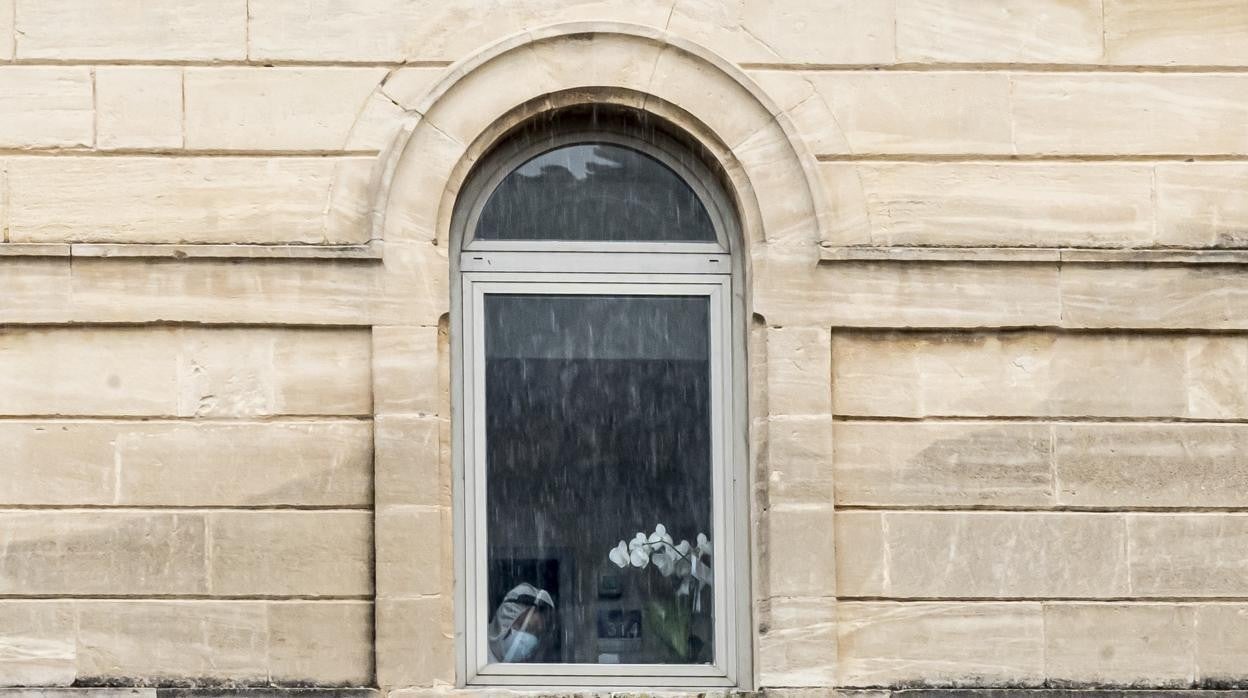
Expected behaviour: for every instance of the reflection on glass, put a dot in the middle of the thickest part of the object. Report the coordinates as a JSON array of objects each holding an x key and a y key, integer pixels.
[
  {"x": 598, "y": 460},
  {"x": 594, "y": 192}
]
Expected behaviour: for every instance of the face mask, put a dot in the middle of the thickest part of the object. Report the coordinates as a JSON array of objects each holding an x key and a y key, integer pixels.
[{"x": 523, "y": 645}]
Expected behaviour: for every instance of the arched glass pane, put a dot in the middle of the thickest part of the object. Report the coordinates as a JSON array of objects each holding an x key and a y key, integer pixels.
[{"x": 594, "y": 192}]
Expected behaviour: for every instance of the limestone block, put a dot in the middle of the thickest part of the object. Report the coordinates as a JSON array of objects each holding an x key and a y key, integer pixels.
[
  {"x": 300, "y": 553},
  {"x": 187, "y": 199},
  {"x": 45, "y": 107},
  {"x": 789, "y": 31},
  {"x": 322, "y": 372},
  {"x": 34, "y": 286},
  {"x": 799, "y": 462},
  {"x": 1130, "y": 113},
  {"x": 415, "y": 642},
  {"x": 1120, "y": 644},
  {"x": 57, "y": 463},
  {"x": 1015, "y": 204},
  {"x": 138, "y": 107},
  {"x": 920, "y": 112},
  {"x": 307, "y": 292},
  {"x": 797, "y": 646},
  {"x": 424, "y": 183},
  {"x": 1194, "y": 32},
  {"x": 951, "y": 643},
  {"x": 412, "y": 550},
  {"x": 792, "y": 290},
  {"x": 1016, "y": 31},
  {"x": 1151, "y": 465},
  {"x": 811, "y": 114},
  {"x": 786, "y": 197},
  {"x": 378, "y": 30},
  {"x": 7, "y": 33},
  {"x": 1221, "y": 641},
  {"x": 1039, "y": 374},
  {"x": 408, "y": 462},
  {"x": 102, "y": 553},
  {"x": 980, "y": 554},
  {"x": 275, "y": 108},
  {"x": 708, "y": 92},
  {"x": 943, "y": 464},
  {"x": 37, "y": 644},
  {"x": 129, "y": 640},
  {"x": 415, "y": 285},
  {"x": 320, "y": 463},
  {"x": 1202, "y": 204},
  {"x": 798, "y": 371},
  {"x": 321, "y": 643},
  {"x": 1167, "y": 297},
  {"x": 132, "y": 30},
  {"x": 1189, "y": 554},
  {"x": 405, "y": 370},
  {"x": 801, "y": 552}
]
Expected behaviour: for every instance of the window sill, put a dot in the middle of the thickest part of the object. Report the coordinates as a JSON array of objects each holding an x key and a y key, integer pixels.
[
  {"x": 1073, "y": 255},
  {"x": 370, "y": 251}
]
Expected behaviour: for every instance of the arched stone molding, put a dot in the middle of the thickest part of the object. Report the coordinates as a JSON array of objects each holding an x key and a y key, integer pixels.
[{"x": 438, "y": 133}]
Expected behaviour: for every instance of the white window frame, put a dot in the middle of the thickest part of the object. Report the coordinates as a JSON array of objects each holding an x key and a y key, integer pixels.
[{"x": 601, "y": 268}]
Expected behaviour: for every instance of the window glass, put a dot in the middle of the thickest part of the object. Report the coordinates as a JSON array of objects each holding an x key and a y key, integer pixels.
[
  {"x": 597, "y": 192},
  {"x": 598, "y": 431}
]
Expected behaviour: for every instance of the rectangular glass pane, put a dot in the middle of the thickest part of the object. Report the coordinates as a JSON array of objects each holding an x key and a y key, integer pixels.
[{"x": 598, "y": 479}]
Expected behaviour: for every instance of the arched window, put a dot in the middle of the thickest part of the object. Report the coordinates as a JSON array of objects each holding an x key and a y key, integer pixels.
[{"x": 601, "y": 504}]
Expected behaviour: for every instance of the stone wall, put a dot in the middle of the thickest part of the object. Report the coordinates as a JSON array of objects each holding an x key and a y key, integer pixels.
[{"x": 999, "y": 361}]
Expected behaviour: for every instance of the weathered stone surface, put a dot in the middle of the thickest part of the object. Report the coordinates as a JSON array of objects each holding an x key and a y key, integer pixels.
[
  {"x": 1016, "y": 204},
  {"x": 169, "y": 640},
  {"x": 1221, "y": 641},
  {"x": 799, "y": 459},
  {"x": 1120, "y": 644},
  {"x": 188, "y": 199},
  {"x": 261, "y": 291},
  {"x": 1202, "y": 204},
  {"x": 275, "y": 108},
  {"x": 1016, "y": 31},
  {"x": 6, "y": 28},
  {"x": 102, "y": 553},
  {"x": 798, "y": 371},
  {"x": 412, "y": 547},
  {"x": 321, "y": 463},
  {"x": 132, "y": 29},
  {"x": 61, "y": 462},
  {"x": 37, "y": 644},
  {"x": 321, "y": 643},
  {"x": 941, "y": 464},
  {"x": 406, "y": 371},
  {"x": 408, "y": 462},
  {"x": 45, "y": 107},
  {"x": 1038, "y": 374},
  {"x": 1213, "y": 297},
  {"x": 798, "y": 645},
  {"x": 1188, "y": 554},
  {"x": 414, "y": 642},
  {"x": 1151, "y": 465},
  {"x": 138, "y": 107},
  {"x": 300, "y": 553},
  {"x": 801, "y": 550},
  {"x": 963, "y": 112},
  {"x": 980, "y": 554},
  {"x": 882, "y": 644},
  {"x": 793, "y": 291},
  {"x": 1130, "y": 113},
  {"x": 1194, "y": 32}
]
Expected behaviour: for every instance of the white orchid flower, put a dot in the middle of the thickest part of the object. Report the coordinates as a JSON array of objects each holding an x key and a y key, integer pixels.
[
  {"x": 640, "y": 557},
  {"x": 660, "y": 537},
  {"x": 704, "y": 544},
  {"x": 620, "y": 556},
  {"x": 665, "y": 561},
  {"x": 638, "y": 541}
]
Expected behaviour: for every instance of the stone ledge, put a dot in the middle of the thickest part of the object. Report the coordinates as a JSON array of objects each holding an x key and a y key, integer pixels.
[
  {"x": 832, "y": 254},
  {"x": 256, "y": 692},
  {"x": 370, "y": 251}
]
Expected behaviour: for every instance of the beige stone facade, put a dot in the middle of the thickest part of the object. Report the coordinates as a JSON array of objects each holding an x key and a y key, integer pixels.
[{"x": 998, "y": 352}]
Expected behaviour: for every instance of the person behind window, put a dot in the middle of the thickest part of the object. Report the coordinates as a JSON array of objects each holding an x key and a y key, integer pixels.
[{"x": 521, "y": 624}]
